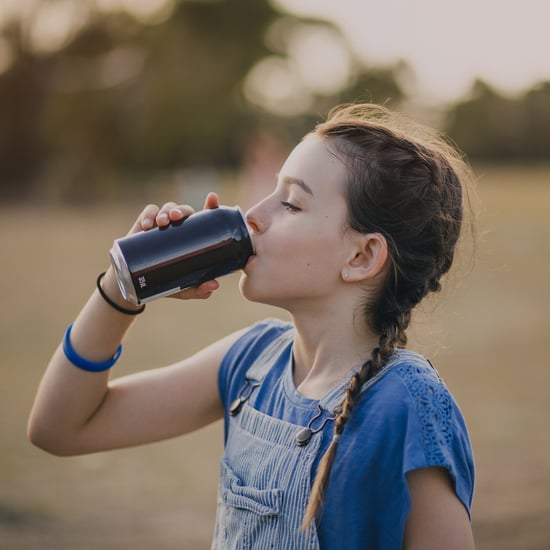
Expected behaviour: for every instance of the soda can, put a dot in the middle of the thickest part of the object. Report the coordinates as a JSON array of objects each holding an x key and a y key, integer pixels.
[{"x": 164, "y": 260}]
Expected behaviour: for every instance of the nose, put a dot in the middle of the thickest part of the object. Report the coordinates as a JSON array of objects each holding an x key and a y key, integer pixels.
[
  {"x": 251, "y": 223},
  {"x": 255, "y": 219}
]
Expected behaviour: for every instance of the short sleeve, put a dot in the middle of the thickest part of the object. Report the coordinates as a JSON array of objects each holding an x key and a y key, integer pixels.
[{"x": 436, "y": 433}]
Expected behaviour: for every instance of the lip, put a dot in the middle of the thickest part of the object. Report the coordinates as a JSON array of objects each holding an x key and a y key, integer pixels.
[{"x": 248, "y": 262}]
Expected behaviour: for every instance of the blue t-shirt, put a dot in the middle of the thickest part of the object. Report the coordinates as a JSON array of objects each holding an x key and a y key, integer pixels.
[{"x": 405, "y": 420}]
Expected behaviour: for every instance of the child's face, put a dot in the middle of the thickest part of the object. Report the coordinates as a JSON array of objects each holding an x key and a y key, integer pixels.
[{"x": 299, "y": 231}]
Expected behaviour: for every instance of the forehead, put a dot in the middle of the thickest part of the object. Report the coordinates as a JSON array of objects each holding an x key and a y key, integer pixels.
[{"x": 313, "y": 162}]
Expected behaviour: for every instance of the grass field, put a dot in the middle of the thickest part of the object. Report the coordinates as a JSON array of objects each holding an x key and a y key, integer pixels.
[{"x": 487, "y": 334}]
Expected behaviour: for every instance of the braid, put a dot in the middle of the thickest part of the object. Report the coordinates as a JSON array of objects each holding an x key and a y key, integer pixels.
[
  {"x": 380, "y": 355},
  {"x": 407, "y": 186}
]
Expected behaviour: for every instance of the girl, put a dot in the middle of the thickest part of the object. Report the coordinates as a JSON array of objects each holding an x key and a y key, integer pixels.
[{"x": 335, "y": 435}]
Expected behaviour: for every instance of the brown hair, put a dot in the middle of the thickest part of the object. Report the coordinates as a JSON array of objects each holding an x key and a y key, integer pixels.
[{"x": 406, "y": 182}]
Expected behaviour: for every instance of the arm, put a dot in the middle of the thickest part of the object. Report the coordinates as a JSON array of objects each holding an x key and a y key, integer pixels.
[
  {"x": 79, "y": 412},
  {"x": 437, "y": 518}
]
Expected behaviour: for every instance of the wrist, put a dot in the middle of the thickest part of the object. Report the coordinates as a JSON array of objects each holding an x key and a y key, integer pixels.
[{"x": 108, "y": 288}]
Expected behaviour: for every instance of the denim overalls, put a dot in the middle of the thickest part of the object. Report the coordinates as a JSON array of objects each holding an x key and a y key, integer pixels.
[{"x": 265, "y": 477}]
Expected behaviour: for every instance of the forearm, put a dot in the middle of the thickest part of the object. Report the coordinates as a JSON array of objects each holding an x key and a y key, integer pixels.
[
  {"x": 68, "y": 397},
  {"x": 77, "y": 411}
]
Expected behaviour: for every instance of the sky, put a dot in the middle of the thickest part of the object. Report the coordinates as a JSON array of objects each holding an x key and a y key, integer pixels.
[{"x": 448, "y": 44}]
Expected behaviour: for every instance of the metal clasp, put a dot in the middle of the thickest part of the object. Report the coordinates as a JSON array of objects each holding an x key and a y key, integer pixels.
[{"x": 241, "y": 399}]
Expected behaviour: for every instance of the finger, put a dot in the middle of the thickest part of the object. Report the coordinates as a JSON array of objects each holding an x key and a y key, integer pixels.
[
  {"x": 146, "y": 220},
  {"x": 172, "y": 212},
  {"x": 201, "y": 292},
  {"x": 205, "y": 290},
  {"x": 212, "y": 201}
]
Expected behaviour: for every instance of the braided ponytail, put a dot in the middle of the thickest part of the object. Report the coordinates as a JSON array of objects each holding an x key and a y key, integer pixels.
[
  {"x": 375, "y": 363},
  {"x": 409, "y": 189}
]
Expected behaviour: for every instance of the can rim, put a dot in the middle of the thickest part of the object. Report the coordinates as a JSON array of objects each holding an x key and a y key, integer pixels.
[
  {"x": 124, "y": 280},
  {"x": 247, "y": 229}
]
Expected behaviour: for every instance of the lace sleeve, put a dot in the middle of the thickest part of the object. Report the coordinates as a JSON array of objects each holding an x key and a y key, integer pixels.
[{"x": 437, "y": 433}]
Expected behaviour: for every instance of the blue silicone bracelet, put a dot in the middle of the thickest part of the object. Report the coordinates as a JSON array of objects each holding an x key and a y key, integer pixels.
[{"x": 82, "y": 363}]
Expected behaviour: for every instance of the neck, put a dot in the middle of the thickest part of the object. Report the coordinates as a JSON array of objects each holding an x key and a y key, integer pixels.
[{"x": 327, "y": 348}]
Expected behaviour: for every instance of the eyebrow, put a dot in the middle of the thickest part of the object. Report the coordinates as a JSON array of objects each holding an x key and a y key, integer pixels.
[{"x": 289, "y": 180}]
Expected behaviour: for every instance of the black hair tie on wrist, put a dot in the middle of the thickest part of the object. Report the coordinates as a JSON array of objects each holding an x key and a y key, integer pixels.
[{"x": 113, "y": 304}]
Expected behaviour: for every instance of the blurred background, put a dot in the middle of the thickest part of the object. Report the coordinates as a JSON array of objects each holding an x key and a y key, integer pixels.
[{"x": 108, "y": 104}]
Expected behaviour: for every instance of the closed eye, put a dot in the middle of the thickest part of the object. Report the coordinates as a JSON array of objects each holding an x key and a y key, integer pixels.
[{"x": 290, "y": 207}]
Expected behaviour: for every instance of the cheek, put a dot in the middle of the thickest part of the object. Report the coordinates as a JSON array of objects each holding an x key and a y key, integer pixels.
[
  {"x": 317, "y": 258},
  {"x": 292, "y": 270}
]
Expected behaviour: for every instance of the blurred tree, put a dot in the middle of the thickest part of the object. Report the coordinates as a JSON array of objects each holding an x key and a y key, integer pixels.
[
  {"x": 380, "y": 84},
  {"x": 537, "y": 113},
  {"x": 121, "y": 99},
  {"x": 312, "y": 70},
  {"x": 490, "y": 126},
  {"x": 191, "y": 97},
  {"x": 21, "y": 101},
  {"x": 132, "y": 99}
]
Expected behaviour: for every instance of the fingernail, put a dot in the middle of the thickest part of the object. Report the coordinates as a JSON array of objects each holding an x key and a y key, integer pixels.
[
  {"x": 146, "y": 223},
  {"x": 163, "y": 218}
]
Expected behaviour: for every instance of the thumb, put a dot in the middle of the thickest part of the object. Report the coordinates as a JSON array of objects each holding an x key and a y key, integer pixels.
[{"x": 211, "y": 201}]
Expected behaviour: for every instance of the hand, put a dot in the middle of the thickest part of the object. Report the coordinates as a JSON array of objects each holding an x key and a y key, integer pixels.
[{"x": 153, "y": 216}]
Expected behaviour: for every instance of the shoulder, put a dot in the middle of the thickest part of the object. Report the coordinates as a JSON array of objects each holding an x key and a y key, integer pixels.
[
  {"x": 415, "y": 380},
  {"x": 431, "y": 405},
  {"x": 242, "y": 354},
  {"x": 420, "y": 397},
  {"x": 256, "y": 338},
  {"x": 405, "y": 396},
  {"x": 407, "y": 384},
  {"x": 411, "y": 368}
]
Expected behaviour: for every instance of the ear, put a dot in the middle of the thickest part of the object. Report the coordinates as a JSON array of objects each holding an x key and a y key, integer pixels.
[{"x": 368, "y": 258}]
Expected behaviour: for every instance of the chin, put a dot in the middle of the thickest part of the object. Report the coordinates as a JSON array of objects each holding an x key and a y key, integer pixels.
[
  {"x": 245, "y": 287},
  {"x": 258, "y": 295}
]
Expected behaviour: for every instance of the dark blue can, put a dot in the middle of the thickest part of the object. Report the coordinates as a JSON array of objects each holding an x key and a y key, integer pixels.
[{"x": 164, "y": 260}]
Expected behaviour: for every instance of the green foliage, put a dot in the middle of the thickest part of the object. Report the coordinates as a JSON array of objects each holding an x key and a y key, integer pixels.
[
  {"x": 123, "y": 98},
  {"x": 490, "y": 126}
]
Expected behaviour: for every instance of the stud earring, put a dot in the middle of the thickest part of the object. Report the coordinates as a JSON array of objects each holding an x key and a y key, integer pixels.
[{"x": 346, "y": 275}]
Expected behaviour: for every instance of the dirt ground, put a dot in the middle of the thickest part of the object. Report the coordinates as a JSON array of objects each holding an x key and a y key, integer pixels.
[{"x": 487, "y": 334}]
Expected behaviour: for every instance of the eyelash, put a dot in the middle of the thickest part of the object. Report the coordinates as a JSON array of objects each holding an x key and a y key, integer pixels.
[{"x": 290, "y": 207}]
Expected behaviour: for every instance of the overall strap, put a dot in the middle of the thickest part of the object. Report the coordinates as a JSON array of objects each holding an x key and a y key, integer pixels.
[
  {"x": 261, "y": 365},
  {"x": 259, "y": 368}
]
